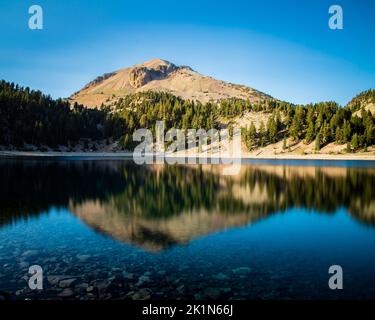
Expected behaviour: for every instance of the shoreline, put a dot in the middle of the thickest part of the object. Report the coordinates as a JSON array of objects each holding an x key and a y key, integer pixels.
[{"x": 129, "y": 155}]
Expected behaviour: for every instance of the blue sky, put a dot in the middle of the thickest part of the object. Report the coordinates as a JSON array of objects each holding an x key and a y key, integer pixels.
[{"x": 283, "y": 48}]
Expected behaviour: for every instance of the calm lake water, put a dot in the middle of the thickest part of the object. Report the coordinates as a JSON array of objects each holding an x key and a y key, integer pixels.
[{"x": 115, "y": 230}]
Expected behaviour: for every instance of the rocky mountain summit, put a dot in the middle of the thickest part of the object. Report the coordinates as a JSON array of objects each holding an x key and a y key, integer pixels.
[
  {"x": 161, "y": 76},
  {"x": 157, "y": 70}
]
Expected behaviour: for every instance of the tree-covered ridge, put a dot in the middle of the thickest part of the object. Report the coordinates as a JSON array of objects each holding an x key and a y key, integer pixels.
[
  {"x": 323, "y": 122},
  {"x": 142, "y": 110},
  {"x": 361, "y": 100},
  {"x": 28, "y": 116}
]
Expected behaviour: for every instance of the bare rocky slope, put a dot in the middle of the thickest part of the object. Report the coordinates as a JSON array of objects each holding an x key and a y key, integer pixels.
[{"x": 163, "y": 76}]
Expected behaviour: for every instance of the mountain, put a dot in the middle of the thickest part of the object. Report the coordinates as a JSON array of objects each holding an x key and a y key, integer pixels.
[
  {"x": 31, "y": 120},
  {"x": 161, "y": 76}
]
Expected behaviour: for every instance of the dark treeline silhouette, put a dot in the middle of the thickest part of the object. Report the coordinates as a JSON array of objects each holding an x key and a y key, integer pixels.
[
  {"x": 28, "y": 116},
  {"x": 31, "y": 187}
]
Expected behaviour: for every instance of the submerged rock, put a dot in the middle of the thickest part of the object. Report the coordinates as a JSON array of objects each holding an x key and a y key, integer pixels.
[
  {"x": 241, "y": 270},
  {"x": 30, "y": 253},
  {"x": 67, "y": 283},
  {"x": 128, "y": 275},
  {"x": 142, "y": 280},
  {"x": 212, "y": 293},
  {"x": 220, "y": 276},
  {"x": 55, "y": 279},
  {"x": 83, "y": 257},
  {"x": 90, "y": 289},
  {"x": 143, "y": 294},
  {"x": 66, "y": 293},
  {"x": 181, "y": 289}
]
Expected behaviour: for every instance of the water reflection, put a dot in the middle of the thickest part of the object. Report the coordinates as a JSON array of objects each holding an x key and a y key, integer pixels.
[{"x": 155, "y": 207}]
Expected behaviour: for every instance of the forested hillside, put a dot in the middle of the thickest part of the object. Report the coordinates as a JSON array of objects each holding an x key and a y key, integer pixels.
[
  {"x": 323, "y": 122},
  {"x": 30, "y": 117}
]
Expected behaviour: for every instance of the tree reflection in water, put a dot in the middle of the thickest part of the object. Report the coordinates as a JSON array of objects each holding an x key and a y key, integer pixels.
[{"x": 161, "y": 205}]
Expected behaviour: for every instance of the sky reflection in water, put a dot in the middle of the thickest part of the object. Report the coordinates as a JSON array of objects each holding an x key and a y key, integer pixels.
[{"x": 270, "y": 232}]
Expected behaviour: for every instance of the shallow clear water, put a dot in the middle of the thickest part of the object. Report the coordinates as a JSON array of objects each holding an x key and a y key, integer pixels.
[{"x": 121, "y": 231}]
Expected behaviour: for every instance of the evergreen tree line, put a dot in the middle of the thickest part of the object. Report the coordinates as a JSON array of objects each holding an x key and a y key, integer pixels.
[
  {"x": 323, "y": 123},
  {"x": 28, "y": 116},
  {"x": 143, "y": 110}
]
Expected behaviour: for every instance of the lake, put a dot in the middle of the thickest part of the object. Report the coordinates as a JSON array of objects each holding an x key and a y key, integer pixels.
[{"x": 115, "y": 230}]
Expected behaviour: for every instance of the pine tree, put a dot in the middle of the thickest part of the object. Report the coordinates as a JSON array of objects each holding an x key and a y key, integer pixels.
[
  {"x": 297, "y": 124},
  {"x": 318, "y": 123},
  {"x": 278, "y": 120},
  {"x": 262, "y": 134},
  {"x": 251, "y": 135},
  {"x": 346, "y": 131},
  {"x": 289, "y": 117},
  {"x": 370, "y": 133},
  {"x": 272, "y": 130},
  {"x": 318, "y": 141},
  {"x": 325, "y": 133},
  {"x": 339, "y": 135},
  {"x": 354, "y": 143},
  {"x": 348, "y": 147},
  {"x": 310, "y": 133}
]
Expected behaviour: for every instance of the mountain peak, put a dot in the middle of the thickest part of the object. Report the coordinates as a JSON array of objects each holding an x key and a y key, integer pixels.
[
  {"x": 155, "y": 63},
  {"x": 155, "y": 69},
  {"x": 161, "y": 76}
]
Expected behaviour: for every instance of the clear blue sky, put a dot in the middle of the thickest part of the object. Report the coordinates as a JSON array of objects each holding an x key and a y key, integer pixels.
[{"x": 283, "y": 48}]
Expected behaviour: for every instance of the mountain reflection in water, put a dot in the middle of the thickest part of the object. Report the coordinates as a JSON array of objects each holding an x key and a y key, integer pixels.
[{"x": 155, "y": 207}]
